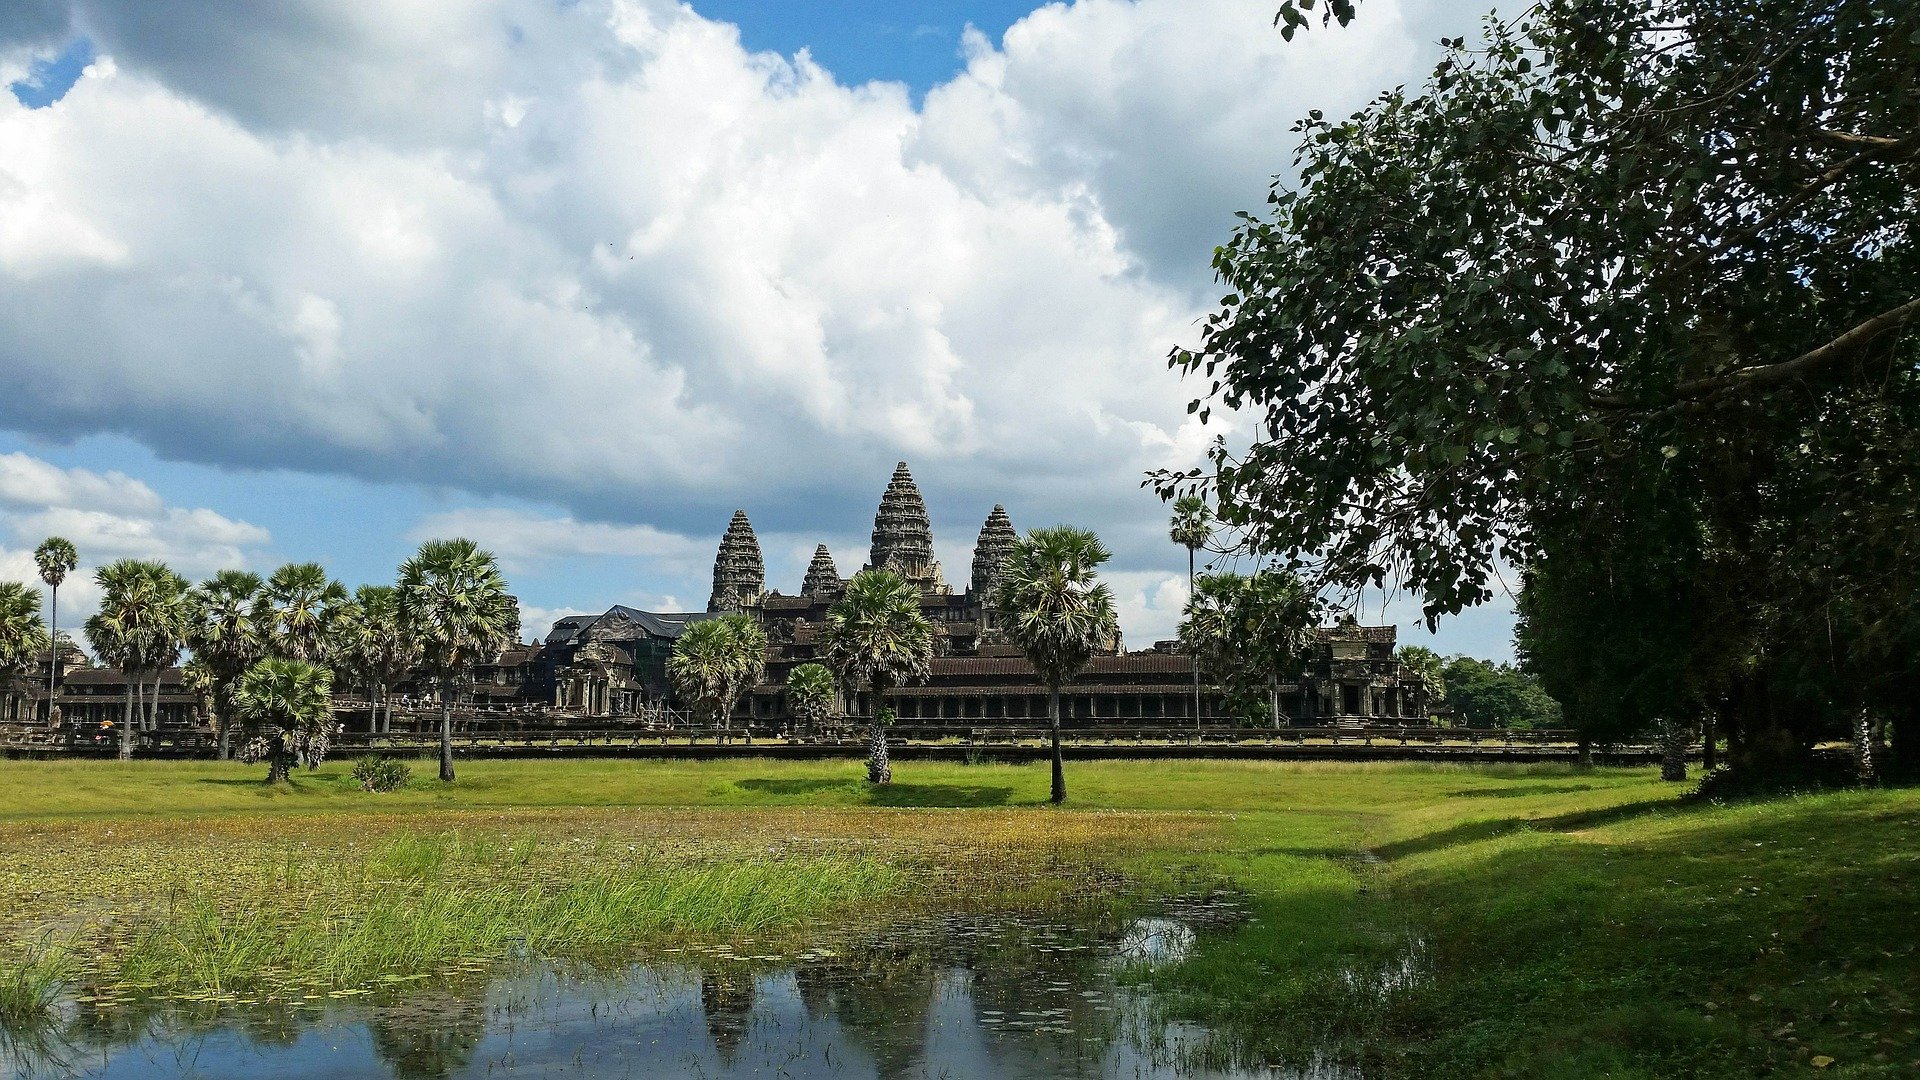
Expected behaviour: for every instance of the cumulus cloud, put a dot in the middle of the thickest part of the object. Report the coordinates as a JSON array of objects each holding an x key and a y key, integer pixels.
[
  {"x": 108, "y": 516},
  {"x": 602, "y": 256}
]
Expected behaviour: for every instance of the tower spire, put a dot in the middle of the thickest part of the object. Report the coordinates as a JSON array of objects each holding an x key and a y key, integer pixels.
[
  {"x": 823, "y": 578},
  {"x": 991, "y": 551},
  {"x": 902, "y": 535},
  {"x": 739, "y": 574}
]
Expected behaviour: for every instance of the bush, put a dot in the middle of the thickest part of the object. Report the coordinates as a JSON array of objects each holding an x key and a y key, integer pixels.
[{"x": 377, "y": 773}]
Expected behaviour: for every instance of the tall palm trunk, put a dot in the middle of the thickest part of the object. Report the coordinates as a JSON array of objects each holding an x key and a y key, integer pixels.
[
  {"x": 446, "y": 736},
  {"x": 153, "y": 708},
  {"x": 1273, "y": 696},
  {"x": 1709, "y": 744},
  {"x": 1194, "y": 657},
  {"x": 277, "y": 765},
  {"x": 126, "y": 724},
  {"x": 1864, "y": 767},
  {"x": 1059, "y": 794},
  {"x": 879, "y": 763},
  {"x": 53, "y": 662}
]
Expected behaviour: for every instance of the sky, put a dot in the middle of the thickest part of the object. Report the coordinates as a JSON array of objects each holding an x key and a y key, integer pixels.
[{"x": 578, "y": 278}]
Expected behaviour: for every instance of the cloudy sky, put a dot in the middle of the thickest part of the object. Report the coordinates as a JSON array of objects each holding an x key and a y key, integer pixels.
[{"x": 320, "y": 279}]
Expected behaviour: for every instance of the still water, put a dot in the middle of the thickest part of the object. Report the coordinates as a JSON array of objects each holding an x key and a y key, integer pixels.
[{"x": 958, "y": 998}]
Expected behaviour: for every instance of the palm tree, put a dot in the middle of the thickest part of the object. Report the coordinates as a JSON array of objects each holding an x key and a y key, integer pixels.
[
  {"x": 1053, "y": 607},
  {"x": 1248, "y": 633},
  {"x": 877, "y": 638},
  {"x": 56, "y": 558},
  {"x": 1192, "y": 525},
  {"x": 715, "y": 662},
  {"x": 302, "y": 603},
  {"x": 228, "y": 635},
  {"x": 287, "y": 702},
  {"x": 22, "y": 632},
  {"x": 372, "y": 646},
  {"x": 167, "y": 634},
  {"x": 810, "y": 692},
  {"x": 454, "y": 605},
  {"x": 141, "y": 614}
]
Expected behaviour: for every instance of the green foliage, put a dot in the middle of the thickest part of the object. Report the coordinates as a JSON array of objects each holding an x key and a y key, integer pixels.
[
  {"x": 1052, "y": 604},
  {"x": 1427, "y": 664},
  {"x": 23, "y": 634},
  {"x": 287, "y": 705},
  {"x": 379, "y": 773},
  {"x": 300, "y": 605},
  {"x": 715, "y": 662},
  {"x": 1487, "y": 695},
  {"x": 875, "y": 636},
  {"x": 1250, "y": 633},
  {"x": 55, "y": 558},
  {"x": 1192, "y": 522},
  {"x": 810, "y": 694},
  {"x": 1629, "y": 265},
  {"x": 453, "y": 605}
]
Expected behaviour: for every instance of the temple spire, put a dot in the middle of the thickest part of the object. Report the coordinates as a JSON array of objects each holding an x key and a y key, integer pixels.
[
  {"x": 823, "y": 578},
  {"x": 902, "y": 535},
  {"x": 739, "y": 574},
  {"x": 990, "y": 553}
]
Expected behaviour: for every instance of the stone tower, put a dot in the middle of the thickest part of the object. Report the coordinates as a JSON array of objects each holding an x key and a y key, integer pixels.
[
  {"x": 902, "y": 535},
  {"x": 823, "y": 578},
  {"x": 990, "y": 553},
  {"x": 739, "y": 574}
]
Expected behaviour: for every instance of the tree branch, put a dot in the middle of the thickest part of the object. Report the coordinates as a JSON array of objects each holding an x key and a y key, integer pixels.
[{"x": 1762, "y": 374}]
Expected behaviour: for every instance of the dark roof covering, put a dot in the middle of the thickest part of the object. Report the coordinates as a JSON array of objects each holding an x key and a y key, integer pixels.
[
  {"x": 1130, "y": 664},
  {"x": 658, "y": 624},
  {"x": 113, "y": 677}
]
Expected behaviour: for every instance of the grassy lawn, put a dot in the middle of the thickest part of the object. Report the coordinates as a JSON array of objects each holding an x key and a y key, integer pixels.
[{"x": 1427, "y": 920}]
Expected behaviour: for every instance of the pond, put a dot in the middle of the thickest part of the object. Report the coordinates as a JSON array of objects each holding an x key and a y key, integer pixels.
[{"x": 944, "y": 998}]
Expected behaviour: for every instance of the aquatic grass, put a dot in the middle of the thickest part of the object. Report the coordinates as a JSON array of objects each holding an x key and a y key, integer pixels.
[{"x": 32, "y": 976}]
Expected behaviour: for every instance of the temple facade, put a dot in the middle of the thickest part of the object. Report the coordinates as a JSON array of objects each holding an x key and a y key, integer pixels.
[{"x": 615, "y": 664}]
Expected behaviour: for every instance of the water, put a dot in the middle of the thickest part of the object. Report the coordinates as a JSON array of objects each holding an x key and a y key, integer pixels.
[{"x": 951, "y": 998}]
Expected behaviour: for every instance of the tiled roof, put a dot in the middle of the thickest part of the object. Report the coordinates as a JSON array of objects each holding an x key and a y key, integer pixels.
[{"x": 1130, "y": 664}]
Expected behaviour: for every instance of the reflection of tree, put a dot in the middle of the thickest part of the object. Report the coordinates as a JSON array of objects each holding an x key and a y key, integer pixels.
[
  {"x": 433, "y": 1034},
  {"x": 726, "y": 1000}
]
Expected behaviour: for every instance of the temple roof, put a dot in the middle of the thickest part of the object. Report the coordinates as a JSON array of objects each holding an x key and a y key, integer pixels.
[
  {"x": 902, "y": 534},
  {"x": 991, "y": 551}
]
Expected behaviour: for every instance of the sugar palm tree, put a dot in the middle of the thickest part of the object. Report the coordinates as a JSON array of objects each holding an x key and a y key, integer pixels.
[
  {"x": 715, "y": 662},
  {"x": 56, "y": 558},
  {"x": 1192, "y": 525},
  {"x": 22, "y": 632},
  {"x": 876, "y": 637},
  {"x": 228, "y": 633},
  {"x": 810, "y": 692},
  {"x": 302, "y": 603},
  {"x": 141, "y": 615},
  {"x": 167, "y": 634},
  {"x": 1055, "y": 609},
  {"x": 454, "y": 605},
  {"x": 372, "y": 646},
  {"x": 289, "y": 703}
]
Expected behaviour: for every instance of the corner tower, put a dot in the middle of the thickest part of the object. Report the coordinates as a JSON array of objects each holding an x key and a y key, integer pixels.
[
  {"x": 739, "y": 574},
  {"x": 902, "y": 535}
]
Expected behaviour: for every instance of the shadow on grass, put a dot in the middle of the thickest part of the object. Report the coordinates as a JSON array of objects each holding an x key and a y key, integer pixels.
[
  {"x": 1475, "y": 831},
  {"x": 1524, "y": 791},
  {"x": 894, "y": 794}
]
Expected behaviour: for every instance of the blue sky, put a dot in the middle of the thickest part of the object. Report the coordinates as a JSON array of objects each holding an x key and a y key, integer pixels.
[{"x": 305, "y": 281}]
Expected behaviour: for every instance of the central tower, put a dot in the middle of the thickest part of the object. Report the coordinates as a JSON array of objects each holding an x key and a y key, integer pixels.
[{"x": 902, "y": 535}]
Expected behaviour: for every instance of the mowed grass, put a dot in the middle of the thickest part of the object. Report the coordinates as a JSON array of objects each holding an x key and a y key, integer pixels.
[{"x": 1420, "y": 920}]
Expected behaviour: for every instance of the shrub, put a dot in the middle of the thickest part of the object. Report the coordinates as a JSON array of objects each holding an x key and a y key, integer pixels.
[{"x": 377, "y": 773}]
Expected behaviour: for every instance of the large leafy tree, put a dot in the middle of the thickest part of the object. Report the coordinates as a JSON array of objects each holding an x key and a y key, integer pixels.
[
  {"x": 55, "y": 558},
  {"x": 287, "y": 706},
  {"x": 1250, "y": 634},
  {"x": 139, "y": 628},
  {"x": 876, "y": 637},
  {"x": 1054, "y": 607},
  {"x": 228, "y": 628},
  {"x": 454, "y": 605},
  {"x": 22, "y": 632},
  {"x": 1626, "y": 252},
  {"x": 373, "y": 646},
  {"x": 715, "y": 662}
]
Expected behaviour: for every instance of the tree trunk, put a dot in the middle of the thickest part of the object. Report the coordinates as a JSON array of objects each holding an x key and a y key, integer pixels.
[
  {"x": 1710, "y": 744},
  {"x": 1059, "y": 792},
  {"x": 446, "y": 737},
  {"x": 1273, "y": 697},
  {"x": 1864, "y": 772},
  {"x": 53, "y": 662},
  {"x": 1584, "y": 756},
  {"x": 1673, "y": 751},
  {"x": 1195, "y": 657},
  {"x": 879, "y": 764},
  {"x": 126, "y": 725},
  {"x": 277, "y": 769},
  {"x": 153, "y": 709}
]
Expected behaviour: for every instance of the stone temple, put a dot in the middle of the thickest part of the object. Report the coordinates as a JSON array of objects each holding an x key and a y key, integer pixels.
[{"x": 614, "y": 664}]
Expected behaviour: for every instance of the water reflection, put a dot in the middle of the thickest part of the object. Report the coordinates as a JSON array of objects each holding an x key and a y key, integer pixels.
[{"x": 955, "y": 998}]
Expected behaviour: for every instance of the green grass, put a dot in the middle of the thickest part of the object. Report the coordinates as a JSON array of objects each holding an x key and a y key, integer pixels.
[{"x": 1422, "y": 920}]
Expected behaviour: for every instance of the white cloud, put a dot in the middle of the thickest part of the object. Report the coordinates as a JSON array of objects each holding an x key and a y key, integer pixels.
[
  {"x": 601, "y": 256},
  {"x": 108, "y": 516}
]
